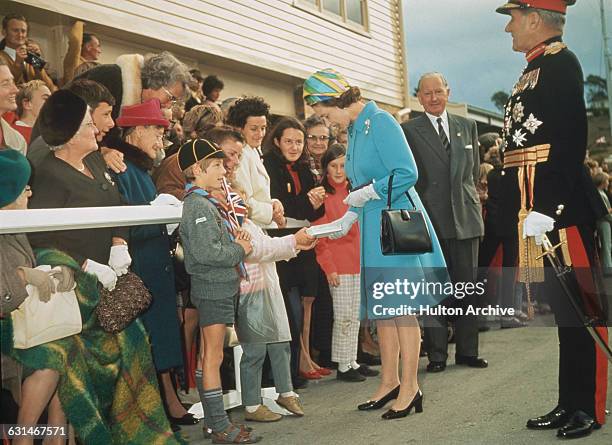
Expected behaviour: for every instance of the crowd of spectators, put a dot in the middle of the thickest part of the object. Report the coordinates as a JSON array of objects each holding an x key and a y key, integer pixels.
[
  {"x": 117, "y": 134},
  {"x": 113, "y": 134}
]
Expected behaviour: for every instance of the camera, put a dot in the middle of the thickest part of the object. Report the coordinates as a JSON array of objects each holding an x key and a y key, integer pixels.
[{"x": 35, "y": 60}]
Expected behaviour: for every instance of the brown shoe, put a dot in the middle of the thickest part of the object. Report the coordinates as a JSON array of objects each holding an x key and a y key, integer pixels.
[
  {"x": 291, "y": 404},
  {"x": 234, "y": 434},
  {"x": 262, "y": 414}
]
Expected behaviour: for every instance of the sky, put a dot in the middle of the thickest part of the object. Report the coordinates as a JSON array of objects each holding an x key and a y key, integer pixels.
[{"x": 465, "y": 40}]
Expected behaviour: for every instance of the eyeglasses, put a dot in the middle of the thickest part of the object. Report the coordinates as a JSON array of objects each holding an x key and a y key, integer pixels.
[
  {"x": 172, "y": 97},
  {"x": 312, "y": 137}
]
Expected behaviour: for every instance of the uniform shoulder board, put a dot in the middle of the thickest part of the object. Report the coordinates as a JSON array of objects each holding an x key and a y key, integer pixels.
[{"x": 554, "y": 48}]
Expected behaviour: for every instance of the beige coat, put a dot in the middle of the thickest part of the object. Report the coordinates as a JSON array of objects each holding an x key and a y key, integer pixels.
[
  {"x": 74, "y": 63},
  {"x": 25, "y": 72},
  {"x": 252, "y": 177}
]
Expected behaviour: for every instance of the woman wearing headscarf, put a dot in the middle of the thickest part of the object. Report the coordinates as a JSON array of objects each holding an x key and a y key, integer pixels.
[{"x": 377, "y": 150}]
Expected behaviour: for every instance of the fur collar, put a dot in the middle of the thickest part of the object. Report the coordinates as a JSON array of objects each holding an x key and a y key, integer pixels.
[
  {"x": 134, "y": 155},
  {"x": 131, "y": 66}
]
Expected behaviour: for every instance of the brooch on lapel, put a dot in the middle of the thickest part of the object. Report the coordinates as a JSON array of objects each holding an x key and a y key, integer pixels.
[
  {"x": 108, "y": 178},
  {"x": 367, "y": 126}
]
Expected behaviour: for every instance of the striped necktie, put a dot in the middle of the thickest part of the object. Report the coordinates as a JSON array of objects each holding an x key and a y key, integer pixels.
[{"x": 443, "y": 137}]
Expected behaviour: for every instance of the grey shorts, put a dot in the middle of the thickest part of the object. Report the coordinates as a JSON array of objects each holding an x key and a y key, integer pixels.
[{"x": 222, "y": 311}]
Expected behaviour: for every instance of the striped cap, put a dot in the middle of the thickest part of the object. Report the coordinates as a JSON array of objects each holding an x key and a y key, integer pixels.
[
  {"x": 324, "y": 85},
  {"x": 195, "y": 150}
]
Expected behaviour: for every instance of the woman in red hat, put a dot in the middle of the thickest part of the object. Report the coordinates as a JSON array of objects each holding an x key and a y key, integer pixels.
[{"x": 142, "y": 132}]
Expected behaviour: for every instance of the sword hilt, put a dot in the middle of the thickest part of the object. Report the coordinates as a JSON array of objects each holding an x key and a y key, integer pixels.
[{"x": 549, "y": 249}]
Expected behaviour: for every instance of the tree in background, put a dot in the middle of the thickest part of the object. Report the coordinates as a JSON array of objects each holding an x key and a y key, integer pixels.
[
  {"x": 596, "y": 94},
  {"x": 499, "y": 99}
]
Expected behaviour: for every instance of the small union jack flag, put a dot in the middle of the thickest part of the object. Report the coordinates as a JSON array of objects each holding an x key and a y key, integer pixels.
[{"x": 236, "y": 208}]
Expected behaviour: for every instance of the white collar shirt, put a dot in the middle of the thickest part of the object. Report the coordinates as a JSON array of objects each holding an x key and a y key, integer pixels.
[
  {"x": 434, "y": 121},
  {"x": 11, "y": 52}
]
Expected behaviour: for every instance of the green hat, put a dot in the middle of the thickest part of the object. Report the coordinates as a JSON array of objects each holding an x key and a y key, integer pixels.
[
  {"x": 15, "y": 175},
  {"x": 195, "y": 150}
]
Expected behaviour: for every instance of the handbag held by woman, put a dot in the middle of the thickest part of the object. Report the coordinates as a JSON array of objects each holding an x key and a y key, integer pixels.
[
  {"x": 36, "y": 322},
  {"x": 119, "y": 307},
  {"x": 403, "y": 231}
]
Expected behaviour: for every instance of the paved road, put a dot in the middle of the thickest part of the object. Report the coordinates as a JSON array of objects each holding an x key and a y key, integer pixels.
[{"x": 461, "y": 406}]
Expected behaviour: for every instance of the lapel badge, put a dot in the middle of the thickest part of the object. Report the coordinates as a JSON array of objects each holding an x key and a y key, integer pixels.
[
  {"x": 108, "y": 178},
  {"x": 367, "y": 126},
  {"x": 458, "y": 135}
]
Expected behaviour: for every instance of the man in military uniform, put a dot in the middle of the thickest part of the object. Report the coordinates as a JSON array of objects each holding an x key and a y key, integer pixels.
[{"x": 546, "y": 191}]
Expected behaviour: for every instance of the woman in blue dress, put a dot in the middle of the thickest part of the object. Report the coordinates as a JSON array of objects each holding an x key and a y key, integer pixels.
[{"x": 378, "y": 149}]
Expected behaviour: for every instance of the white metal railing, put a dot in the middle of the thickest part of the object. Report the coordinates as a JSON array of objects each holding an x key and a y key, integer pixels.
[
  {"x": 47, "y": 220},
  {"x": 44, "y": 220}
]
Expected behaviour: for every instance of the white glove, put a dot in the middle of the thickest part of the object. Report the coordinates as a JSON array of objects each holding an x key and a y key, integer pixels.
[
  {"x": 165, "y": 199},
  {"x": 106, "y": 276},
  {"x": 120, "y": 259},
  {"x": 346, "y": 222},
  {"x": 536, "y": 225},
  {"x": 358, "y": 198},
  {"x": 170, "y": 228}
]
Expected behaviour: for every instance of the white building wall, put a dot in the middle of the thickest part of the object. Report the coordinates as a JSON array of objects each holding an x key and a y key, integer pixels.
[{"x": 270, "y": 34}]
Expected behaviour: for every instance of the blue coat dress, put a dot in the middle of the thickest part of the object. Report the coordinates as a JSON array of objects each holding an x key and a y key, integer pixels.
[
  {"x": 150, "y": 251},
  {"x": 377, "y": 148}
]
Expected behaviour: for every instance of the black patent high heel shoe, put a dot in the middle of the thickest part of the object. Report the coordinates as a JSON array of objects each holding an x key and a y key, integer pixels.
[
  {"x": 378, "y": 404},
  {"x": 417, "y": 404}
]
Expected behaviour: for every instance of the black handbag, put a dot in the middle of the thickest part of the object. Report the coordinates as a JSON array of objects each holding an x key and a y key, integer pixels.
[{"x": 403, "y": 231}]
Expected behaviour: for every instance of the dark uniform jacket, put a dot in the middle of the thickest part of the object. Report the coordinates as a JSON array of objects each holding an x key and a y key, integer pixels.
[
  {"x": 546, "y": 109},
  {"x": 56, "y": 184}
]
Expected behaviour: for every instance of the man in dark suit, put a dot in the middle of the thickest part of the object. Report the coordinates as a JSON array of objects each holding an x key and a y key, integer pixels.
[{"x": 445, "y": 148}]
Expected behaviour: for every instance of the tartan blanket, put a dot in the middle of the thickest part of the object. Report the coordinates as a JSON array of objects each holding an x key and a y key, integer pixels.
[{"x": 108, "y": 386}]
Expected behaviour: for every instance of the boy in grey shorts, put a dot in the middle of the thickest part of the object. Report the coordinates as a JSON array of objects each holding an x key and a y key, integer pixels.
[{"x": 213, "y": 257}]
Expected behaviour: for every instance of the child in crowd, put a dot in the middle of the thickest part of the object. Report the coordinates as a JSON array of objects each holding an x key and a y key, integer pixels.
[
  {"x": 262, "y": 323},
  {"x": 339, "y": 259},
  {"x": 215, "y": 273}
]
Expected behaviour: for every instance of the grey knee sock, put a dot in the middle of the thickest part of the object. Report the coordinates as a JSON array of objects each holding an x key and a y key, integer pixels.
[
  {"x": 214, "y": 410},
  {"x": 200, "y": 386}
]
